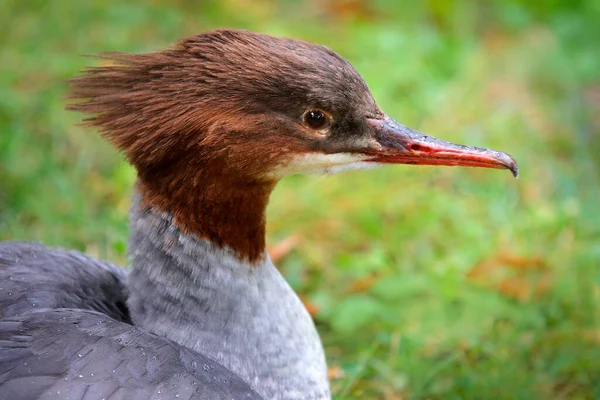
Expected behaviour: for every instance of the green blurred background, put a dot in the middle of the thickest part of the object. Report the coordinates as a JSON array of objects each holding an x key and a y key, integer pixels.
[{"x": 424, "y": 282}]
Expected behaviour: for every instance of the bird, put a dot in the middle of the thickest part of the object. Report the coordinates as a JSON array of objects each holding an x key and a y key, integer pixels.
[{"x": 211, "y": 125}]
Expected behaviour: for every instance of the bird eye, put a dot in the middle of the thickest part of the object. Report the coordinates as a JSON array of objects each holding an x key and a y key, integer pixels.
[{"x": 316, "y": 119}]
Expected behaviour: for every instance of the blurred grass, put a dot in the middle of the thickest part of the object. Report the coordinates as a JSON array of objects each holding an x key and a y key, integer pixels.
[{"x": 426, "y": 283}]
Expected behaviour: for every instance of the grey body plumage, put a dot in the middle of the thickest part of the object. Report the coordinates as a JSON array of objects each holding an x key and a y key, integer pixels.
[{"x": 244, "y": 316}]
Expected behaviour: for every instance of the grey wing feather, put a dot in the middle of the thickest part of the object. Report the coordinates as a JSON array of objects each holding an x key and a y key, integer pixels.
[
  {"x": 33, "y": 276},
  {"x": 65, "y": 333},
  {"x": 84, "y": 355}
]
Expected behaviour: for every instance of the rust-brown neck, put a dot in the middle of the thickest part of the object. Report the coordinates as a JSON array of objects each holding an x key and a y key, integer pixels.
[{"x": 226, "y": 214}]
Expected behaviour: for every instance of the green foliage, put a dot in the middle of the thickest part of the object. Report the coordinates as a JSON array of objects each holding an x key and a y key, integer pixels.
[{"x": 427, "y": 283}]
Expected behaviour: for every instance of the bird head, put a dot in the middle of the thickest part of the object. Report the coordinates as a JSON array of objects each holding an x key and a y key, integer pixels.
[{"x": 226, "y": 114}]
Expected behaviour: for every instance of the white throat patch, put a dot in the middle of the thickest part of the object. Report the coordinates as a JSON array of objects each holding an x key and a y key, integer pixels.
[{"x": 320, "y": 163}]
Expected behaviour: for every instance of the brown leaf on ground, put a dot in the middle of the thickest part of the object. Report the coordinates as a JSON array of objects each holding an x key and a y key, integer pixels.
[
  {"x": 521, "y": 263},
  {"x": 278, "y": 251},
  {"x": 514, "y": 276},
  {"x": 509, "y": 261},
  {"x": 363, "y": 284},
  {"x": 524, "y": 289},
  {"x": 311, "y": 307},
  {"x": 335, "y": 372},
  {"x": 356, "y": 9}
]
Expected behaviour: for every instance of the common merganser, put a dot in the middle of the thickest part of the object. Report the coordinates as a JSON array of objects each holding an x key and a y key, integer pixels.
[{"x": 211, "y": 126}]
